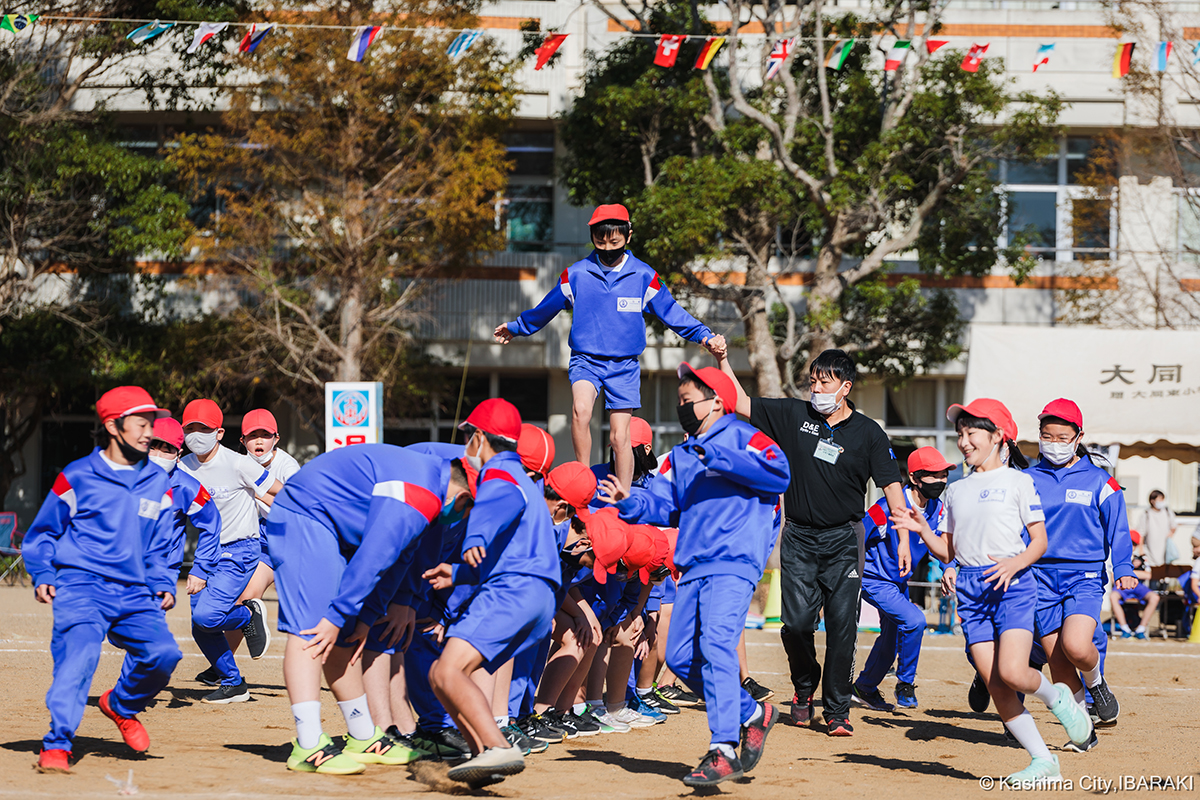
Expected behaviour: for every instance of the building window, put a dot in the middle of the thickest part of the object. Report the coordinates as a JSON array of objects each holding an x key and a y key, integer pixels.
[
  {"x": 529, "y": 218},
  {"x": 532, "y": 152}
]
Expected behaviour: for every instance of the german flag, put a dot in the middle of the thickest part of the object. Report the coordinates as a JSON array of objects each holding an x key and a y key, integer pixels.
[
  {"x": 1122, "y": 59},
  {"x": 711, "y": 45}
]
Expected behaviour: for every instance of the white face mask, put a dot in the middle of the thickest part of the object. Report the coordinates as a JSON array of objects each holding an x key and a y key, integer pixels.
[
  {"x": 201, "y": 443},
  {"x": 826, "y": 404},
  {"x": 1057, "y": 453},
  {"x": 475, "y": 461},
  {"x": 1158, "y": 504},
  {"x": 166, "y": 462},
  {"x": 265, "y": 458}
]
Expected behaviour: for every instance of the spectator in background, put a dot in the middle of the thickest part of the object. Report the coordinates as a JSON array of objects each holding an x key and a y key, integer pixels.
[
  {"x": 1157, "y": 525},
  {"x": 1140, "y": 594}
]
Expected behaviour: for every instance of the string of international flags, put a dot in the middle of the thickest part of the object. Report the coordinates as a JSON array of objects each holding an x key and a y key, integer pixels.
[{"x": 666, "y": 52}]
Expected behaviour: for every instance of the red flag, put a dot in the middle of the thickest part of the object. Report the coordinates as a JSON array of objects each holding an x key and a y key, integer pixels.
[
  {"x": 668, "y": 49},
  {"x": 548, "y": 48},
  {"x": 974, "y": 57},
  {"x": 932, "y": 45}
]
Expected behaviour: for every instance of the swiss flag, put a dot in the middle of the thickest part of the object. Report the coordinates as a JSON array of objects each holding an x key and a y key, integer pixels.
[
  {"x": 668, "y": 49},
  {"x": 974, "y": 57}
]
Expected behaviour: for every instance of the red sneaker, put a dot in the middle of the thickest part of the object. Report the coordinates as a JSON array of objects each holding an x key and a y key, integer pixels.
[
  {"x": 839, "y": 726},
  {"x": 131, "y": 730},
  {"x": 714, "y": 768},
  {"x": 54, "y": 761},
  {"x": 754, "y": 737}
]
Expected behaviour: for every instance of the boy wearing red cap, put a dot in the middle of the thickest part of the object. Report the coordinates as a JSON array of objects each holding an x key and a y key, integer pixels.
[
  {"x": 190, "y": 501},
  {"x": 885, "y": 586},
  {"x": 720, "y": 489},
  {"x": 609, "y": 291},
  {"x": 98, "y": 552}
]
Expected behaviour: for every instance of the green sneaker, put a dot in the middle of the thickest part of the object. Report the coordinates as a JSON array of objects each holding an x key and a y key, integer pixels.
[
  {"x": 326, "y": 758},
  {"x": 380, "y": 749},
  {"x": 1040, "y": 770},
  {"x": 1072, "y": 717},
  {"x": 598, "y": 717}
]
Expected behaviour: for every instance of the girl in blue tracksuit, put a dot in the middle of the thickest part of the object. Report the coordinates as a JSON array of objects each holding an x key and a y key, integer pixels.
[
  {"x": 901, "y": 623},
  {"x": 1086, "y": 524},
  {"x": 99, "y": 552},
  {"x": 720, "y": 489}
]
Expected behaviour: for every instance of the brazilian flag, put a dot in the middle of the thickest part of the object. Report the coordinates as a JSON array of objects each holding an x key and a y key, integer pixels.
[{"x": 17, "y": 22}]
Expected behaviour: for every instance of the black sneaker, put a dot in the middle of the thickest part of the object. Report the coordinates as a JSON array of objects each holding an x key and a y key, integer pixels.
[
  {"x": 1104, "y": 704},
  {"x": 679, "y": 696},
  {"x": 1092, "y": 742},
  {"x": 210, "y": 677},
  {"x": 533, "y": 726},
  {"x": 405, "y": 740},
  {"x": 839, "y": 726},
  {"x": 754, "y": 736},
  {"x": 802, "y": 713},
  {"x": 714, "y": 768},
  {"x": 660, "y": 704},
  {"x": 583, "y": 723},
  {"x": 756, "y": 690},
  {"x": 228, "y": 693},
  {"x": 871, "y": 698},
  {"x": 517, "y": 738},
  {"x": 563, "y": 722},
  {"x": 906, "y": 695},
  {"x": 443, "y": 744},
  {"x": 978, "y": 696},
  {"x": 256, "y": 631}
]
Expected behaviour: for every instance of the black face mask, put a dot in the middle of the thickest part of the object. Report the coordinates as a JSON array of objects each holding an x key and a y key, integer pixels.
[
  {"x": 131, "y": 453},
  {"x": 688, "y": 419},
  {"x": 571, "y": 559},
  {"x": 931, "y": 491},
  {"x": 609, "y": 258}
]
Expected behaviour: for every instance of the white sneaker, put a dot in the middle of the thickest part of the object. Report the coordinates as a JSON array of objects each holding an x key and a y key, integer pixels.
[
  {"x": 633, "y": 719},
  {"x": 490, "y": 766},
  {"x": 606, "y": 719}
]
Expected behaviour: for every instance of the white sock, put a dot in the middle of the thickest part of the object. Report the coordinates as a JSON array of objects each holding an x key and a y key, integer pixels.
[
  {"x": 501, "y": 722},
  {"x": 1141, "y": 628},
  {"x": 644, "y": 692},
  {"x": 727, "y": 749},
  {"x": 358, "y": 718},
  {"x": 308, "y": 723},
  {"x": 1026, "y": 732},
  {"x": 1046, "y": 692},
  {"x": 756, "y": 716},
  {"x": 1092, "y": 677},
  {"x": 1081, "y": 701},
  {"x": 1125, "y": 627},
  {"x": 579, "y": 708}
]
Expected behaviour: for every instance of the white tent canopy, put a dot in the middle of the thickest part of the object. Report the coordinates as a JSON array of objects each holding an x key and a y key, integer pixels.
[{"x": 1137, "y": 388}]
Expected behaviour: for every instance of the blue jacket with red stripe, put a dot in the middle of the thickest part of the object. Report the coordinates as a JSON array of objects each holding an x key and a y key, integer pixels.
[
  {"x": 882, "y": 541},
  {"x": 721, "y": 491},
  {"x": 116, "y": 524},
  {"x": 608, "y": 305},
  {"x": 191, "y": 503},
  {"x": 1086, "y": 521},
  {"x": 377, "y": 499}
]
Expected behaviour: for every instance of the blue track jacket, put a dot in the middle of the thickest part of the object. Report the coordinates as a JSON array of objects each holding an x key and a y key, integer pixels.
[
  {"x": 608, "y": 305},
  {"x": 116, "y": 524},
  {"x": 1085, "y": 518},
  {"x": 191, "y": 503},
  {"x": 882, "y": 542},
  {"x": 723, "y": 505}
]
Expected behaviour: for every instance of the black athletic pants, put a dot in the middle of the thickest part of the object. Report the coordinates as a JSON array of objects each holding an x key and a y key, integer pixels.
[{"x": 820, "y": 567}]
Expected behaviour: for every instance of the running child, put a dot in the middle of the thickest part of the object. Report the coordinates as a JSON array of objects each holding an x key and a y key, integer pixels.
[
  {"x": 98, "y": 553},
  {"x": 986, "y": 513},
  {"x": 610, "y": 290},
  {"x": 901, "y": 623},
  {"x": 720, "y": 489}
]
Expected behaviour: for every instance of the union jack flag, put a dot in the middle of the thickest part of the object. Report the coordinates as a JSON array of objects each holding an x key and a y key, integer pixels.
[{"x": 779, "y": 54}]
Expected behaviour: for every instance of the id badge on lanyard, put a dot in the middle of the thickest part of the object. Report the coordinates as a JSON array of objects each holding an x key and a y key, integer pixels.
[{"x": 828, "y": 451}]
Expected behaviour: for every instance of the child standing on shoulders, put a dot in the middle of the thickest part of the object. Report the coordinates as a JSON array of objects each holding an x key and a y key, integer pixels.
[{"x": 986, "y": 513}]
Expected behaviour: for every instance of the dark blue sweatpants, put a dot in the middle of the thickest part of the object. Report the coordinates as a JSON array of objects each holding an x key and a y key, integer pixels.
[
  {"x": 418, "y": 658},
  {"x": 215, "y": 608},
  {"x": 901, "y": 627}
]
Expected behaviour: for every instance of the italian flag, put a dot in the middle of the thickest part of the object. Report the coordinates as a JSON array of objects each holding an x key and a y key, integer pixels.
[{"x": 895, "y": 56}]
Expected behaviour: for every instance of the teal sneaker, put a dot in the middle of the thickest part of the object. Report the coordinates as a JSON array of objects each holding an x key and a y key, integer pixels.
[
  {"x": 1077, "y": 724},
  {"x": 1040, "y": 770}
]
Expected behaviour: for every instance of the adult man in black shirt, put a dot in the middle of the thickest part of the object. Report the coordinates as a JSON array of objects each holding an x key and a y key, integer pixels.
[{"x": 832, "y": 451}]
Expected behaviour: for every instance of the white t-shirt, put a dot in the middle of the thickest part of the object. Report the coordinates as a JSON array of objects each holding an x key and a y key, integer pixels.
[
  {"x": 986, "y": 512},
  {"x": 234, "y": 481},
  {"x": 283, "y": 466},
  {"x": 1156, "y": 529}
]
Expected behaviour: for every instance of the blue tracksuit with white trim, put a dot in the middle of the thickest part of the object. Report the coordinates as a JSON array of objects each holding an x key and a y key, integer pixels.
[
  {"x": 1086, "y": 524},
  {"x": 720, "y": 490},
  {"x": 103, "y": 540},
  {"x": 192, "y": 503},
  {"x": 901, "y": 623}
]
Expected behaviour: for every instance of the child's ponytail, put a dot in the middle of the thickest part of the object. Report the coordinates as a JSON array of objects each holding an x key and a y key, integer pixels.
[{"x": 1016, "y": 459}]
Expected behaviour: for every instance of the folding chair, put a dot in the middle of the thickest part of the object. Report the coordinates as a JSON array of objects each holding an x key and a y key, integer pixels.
[{"x": 10, "y": 549}]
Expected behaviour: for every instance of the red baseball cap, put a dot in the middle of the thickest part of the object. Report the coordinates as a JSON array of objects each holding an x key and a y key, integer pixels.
[
  {"x": 927, "y": 459},
  {"x": 647, "y": 550},
  {"x": 714, "y": 379},
  {"x": 611, "y": 211},
  {"x": 609, "y": 536},
  {"x": 125, "y": 400},
  {"x": 987, "y": 408},
  {"x": 639, "y": 432},
  {"x": 573, "y": 482},
  {"x": 170, "y": 431},
  {"x": 497, "y": 417},
  {"x": 1135, "y": 536},
  {"x": 1063, "y": 409},
  {"x": 536, "y": 449},
  {"x": 204, "y": 411},
  {"x": 259, "y": 420}
]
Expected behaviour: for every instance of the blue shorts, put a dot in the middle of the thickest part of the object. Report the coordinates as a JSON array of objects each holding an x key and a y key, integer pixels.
[
  {"x": 507, "y": 614},
  {"x": 265, "y": 557},
  {"x": 308, "y": 568},
  {"x": 620, "y": 378},
  {"x": 1135, "y": 595},
  {"x": 986, "y": 612},
  {"x": 1067, "y": 592},
  {"x": 668, "y": 591}
]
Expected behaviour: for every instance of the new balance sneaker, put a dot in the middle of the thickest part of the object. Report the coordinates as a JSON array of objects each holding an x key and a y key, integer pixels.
[
  {"x": 839, "y": 726},
  {"x": 326, "y": 758},
  {"x": 491, "y": 766},
  {"x": 379, "y": 749},
  {"x": 757, "y": 691},
  {"x": 871, "y": 698},
  {"x": 228, "y": 693},
  {"x": 210, "y": 677},
  {"x": 257, "y": 631},
  {"x": 1077, "y": 724},
  {"x": 978, "y": 696},
  {"x": 1091, "y": 743},
  {"x": 607, "y": 722},
  {"x": 906, "y": 697},
  {"x": 660, "y": 703},
  {"x": 442, "y": 744},
  {"x": 754, "y": 736},
  {"x": 1104, "y": 704},
  {"x": 583, "y": 723},
  {"x": 132, "y": 731},
  {"x": 679, "y": 696},
  {"x": 802, "y": 713},
  {"x": 714, "y": 768},
  {"x": 646, "y": 710},
  {"x": 534, "y": 726},
  {"x": 54, "y": 761},
  {"x": 1039, "y": 769},
  {"x": 632, "y": 718},
  {"x": 517, "y": 738}
]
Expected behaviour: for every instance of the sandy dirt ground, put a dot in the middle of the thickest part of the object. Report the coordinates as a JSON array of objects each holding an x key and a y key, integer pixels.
[{"x": 941, "y": 749}]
